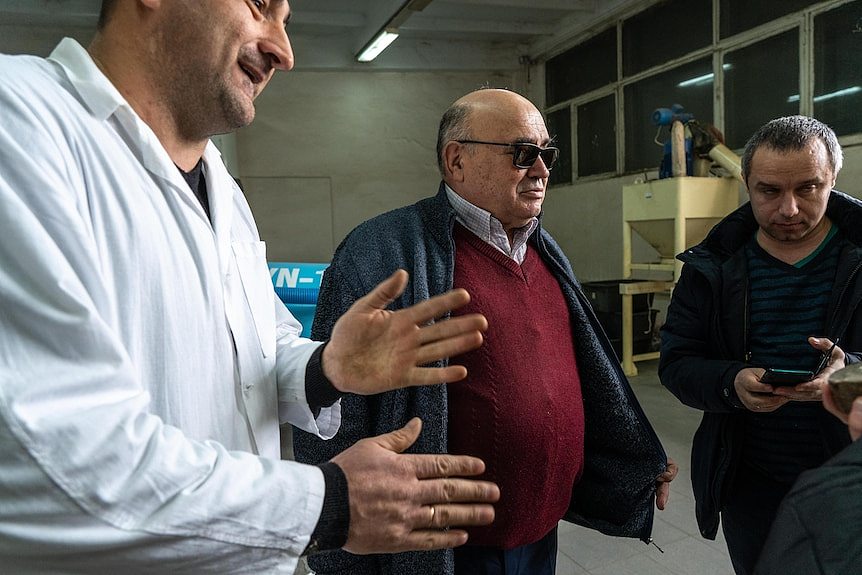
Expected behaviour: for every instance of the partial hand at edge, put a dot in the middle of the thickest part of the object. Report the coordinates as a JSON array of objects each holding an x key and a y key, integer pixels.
[
  {"x": 662, "y": 489},
  {"x": 373, "y": 350},
  {"x": 853, "y": 419},
  {"x": 403, "y": 502}
]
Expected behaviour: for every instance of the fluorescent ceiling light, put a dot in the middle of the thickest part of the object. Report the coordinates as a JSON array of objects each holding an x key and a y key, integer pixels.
[
  {"x": 702, "y": 80},
  {"x": 830, "y": 95},
  {"x": 377, "y": 45},
  {"x": 697, "y": 81}
]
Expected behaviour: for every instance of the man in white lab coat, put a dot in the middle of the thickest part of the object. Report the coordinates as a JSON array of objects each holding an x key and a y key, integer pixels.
[{"x": 145, "y": 362}]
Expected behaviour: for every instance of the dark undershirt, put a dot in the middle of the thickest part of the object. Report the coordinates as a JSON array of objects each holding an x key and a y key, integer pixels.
[{"x": 198, "y": 183}]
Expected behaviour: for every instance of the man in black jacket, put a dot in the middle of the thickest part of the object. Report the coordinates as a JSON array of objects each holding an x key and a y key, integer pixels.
[{"x": 773, "y": 285}]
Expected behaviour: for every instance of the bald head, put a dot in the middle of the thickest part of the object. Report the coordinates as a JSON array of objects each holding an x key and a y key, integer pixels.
[
  {"x": 474, "y": 112},
  {"x": 492, "y": 152},
  {"x": 494, "y": 100}
]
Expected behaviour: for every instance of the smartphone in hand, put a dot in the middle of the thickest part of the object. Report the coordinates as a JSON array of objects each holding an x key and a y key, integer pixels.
[
  {"x": 777, "y": 376},
  {"x": 780, "y": 377}
]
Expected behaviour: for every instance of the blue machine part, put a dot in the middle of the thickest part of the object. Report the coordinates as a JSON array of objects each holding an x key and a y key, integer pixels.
[
  {"x": 664, "y": 169},
  {"x": 667, "y": 116},
  {"x": 297, "y": 285}
]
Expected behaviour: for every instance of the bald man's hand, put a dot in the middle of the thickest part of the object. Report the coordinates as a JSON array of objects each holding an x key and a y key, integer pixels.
[
  {"x": 662, "y": 483},
  {"x": 373, "y": 350},
  {"x": 404, "y": 502}
]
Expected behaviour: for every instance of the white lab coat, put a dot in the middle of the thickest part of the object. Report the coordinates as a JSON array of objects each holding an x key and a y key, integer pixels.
[{"x": 144, "y": 357}]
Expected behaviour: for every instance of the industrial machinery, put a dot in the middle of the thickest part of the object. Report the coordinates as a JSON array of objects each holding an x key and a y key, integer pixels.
[
  {"x": 692, "y": 147},
  {"x": 674, "y": 212}
]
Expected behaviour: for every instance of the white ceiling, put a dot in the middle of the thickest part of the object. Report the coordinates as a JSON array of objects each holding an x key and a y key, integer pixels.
[{"x": 326, "y": 34}]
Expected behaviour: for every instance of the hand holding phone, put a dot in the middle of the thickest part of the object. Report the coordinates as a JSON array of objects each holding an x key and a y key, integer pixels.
[
  {"x": 826, "y": 357},
  {"x": 777, "y": 376}
]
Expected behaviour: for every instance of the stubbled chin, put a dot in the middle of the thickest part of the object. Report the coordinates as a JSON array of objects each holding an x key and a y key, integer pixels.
[
  {"x": 239, "y": 111},
  {"x": 788, "y": 235}
]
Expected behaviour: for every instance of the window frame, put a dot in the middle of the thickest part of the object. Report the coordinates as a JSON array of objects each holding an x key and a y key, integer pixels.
[{"x": 802, "y": 20}]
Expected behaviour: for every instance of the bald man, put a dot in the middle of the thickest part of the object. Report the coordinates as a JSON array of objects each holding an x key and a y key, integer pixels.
[{"x": 545, "y": 405}]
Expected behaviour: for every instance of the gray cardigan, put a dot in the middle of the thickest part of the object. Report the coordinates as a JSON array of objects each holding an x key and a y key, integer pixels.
[{"x": 623, "y": 455}]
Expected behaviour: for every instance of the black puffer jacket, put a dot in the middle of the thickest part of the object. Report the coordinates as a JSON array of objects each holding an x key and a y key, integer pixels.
[{"x": 705, "y": 336}]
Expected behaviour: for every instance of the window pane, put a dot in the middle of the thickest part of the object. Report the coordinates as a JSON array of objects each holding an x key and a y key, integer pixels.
[
  {"x": 664, "y": 32},
  {"x": 690, "y": 85},
  {"x": 761, "y": 82},
  {"x": 581, "y": 69},
  {"x": 740, "y": 15},
  {"x": 838, "y": 68},
  {"x": 597, "y": 137},
  {"x": 560, "y": 128}
]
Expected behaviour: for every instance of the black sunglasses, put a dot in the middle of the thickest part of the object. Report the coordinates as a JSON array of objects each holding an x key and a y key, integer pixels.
[{"x": 524, "y": 154}]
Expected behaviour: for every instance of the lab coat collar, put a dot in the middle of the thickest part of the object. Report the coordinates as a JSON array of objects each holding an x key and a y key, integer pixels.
[
  {"x": 102, "y": 98},
  {"x": 97, "y": 92}
]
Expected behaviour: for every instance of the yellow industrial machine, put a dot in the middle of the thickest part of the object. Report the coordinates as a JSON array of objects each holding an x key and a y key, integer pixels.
[{"x": 672, "y": 214}]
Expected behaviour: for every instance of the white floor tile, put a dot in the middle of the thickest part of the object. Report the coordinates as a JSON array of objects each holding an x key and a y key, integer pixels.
[{"x": 566, "y": 566}]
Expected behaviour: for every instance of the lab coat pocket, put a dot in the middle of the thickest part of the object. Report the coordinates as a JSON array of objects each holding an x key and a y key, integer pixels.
[{"x": 253, "y": 270}]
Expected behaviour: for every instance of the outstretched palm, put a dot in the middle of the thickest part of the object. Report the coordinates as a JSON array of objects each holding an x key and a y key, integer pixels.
[{"x": 373, "y": 349}]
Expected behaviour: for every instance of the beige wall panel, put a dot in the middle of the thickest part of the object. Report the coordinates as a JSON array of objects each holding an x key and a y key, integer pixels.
[{"x": 294, "y": 216}]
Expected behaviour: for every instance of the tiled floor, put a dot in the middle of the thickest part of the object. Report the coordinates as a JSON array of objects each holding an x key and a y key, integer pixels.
[{"x": 586, "y": 552}]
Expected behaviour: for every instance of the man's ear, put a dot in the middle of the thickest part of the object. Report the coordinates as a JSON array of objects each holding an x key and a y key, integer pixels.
[{"x": 453, "y": 161}]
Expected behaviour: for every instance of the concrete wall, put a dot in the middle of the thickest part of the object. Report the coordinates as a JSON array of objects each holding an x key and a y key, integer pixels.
[
  {"x": 40, "y": 40},
  {"x": 330, "y": 150},
  {"x": 850, "y": 178}
]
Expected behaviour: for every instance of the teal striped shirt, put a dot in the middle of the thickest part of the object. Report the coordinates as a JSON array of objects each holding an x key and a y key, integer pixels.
[{"x": 787, "y": 304}]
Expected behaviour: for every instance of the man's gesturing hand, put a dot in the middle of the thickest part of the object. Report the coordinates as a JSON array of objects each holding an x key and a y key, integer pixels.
[
  {"x": 374, "y": 350},
  {"x": 402, "y": 502}
]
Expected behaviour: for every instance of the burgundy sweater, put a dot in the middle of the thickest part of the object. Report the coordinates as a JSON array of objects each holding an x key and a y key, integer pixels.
[{"x": 520, "y": 408}]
